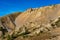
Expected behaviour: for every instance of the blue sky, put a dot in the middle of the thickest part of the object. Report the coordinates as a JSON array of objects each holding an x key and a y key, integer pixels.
[{"x": 11, "y": 6}]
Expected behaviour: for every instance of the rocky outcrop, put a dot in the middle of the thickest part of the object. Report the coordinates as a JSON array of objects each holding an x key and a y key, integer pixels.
[
  {"x": 43, "y": 15},
  {"x": 39, "y": 20},
  {"x": 34, "y": 24},
  {"x": 8, "y": 20}
]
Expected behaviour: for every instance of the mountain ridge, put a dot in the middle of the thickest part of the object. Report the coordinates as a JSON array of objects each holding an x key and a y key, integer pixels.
[{"x": 33, "y": 24}]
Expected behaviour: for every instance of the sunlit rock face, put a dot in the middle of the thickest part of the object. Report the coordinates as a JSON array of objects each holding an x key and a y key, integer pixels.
[
  {"x": 38, "y": 15},
  {"x": 42, "y": 20},
  {"x": 33, "y": 24}
]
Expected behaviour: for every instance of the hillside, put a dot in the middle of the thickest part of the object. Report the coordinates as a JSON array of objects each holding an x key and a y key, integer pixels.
[
  {"x": 33, "y": 24},
  {"x": 8, "y": 20}
]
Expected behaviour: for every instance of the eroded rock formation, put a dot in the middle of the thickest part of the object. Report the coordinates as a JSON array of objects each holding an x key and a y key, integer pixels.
[
  {"x": 8, "y": 21},
  {"x": 39, "y": 20},
  {"x": 33, "y": 24}
]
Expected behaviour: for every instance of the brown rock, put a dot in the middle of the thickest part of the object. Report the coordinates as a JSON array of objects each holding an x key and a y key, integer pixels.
[
  {"x": 38, "y": 21},
  {"x": 34, "y": 24},
  {"x": 8, "y": 20},
  {"x": 39, "y": 15}
]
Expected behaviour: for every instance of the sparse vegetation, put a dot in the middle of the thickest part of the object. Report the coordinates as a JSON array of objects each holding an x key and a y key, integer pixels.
[
  {"x": 35, "y": 24},
  {"x": 13, "y": 35},
  {"x": 24, "y": 34}
]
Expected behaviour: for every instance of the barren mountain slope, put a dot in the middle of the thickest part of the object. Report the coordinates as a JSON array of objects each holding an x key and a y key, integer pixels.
[
  {"x": 33, "y": 24},
  {"x": 42, "y": 21},
  {"x": 39, "y": 15},
  {"x": 8, "y": 20}
]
